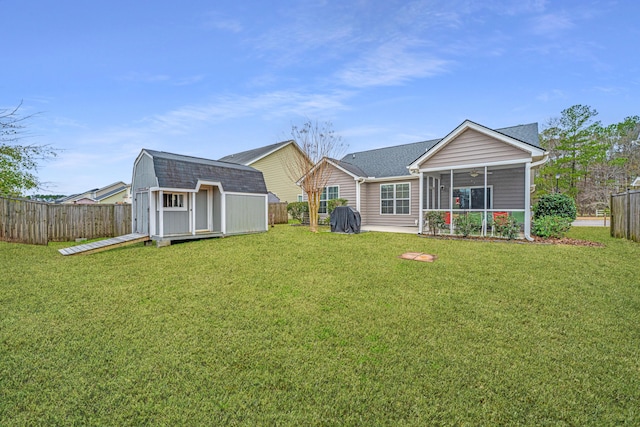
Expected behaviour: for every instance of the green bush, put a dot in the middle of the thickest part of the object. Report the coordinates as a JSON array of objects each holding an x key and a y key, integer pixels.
[
  {"x": 435, "y": 221},
  {"x": 333, "y": 203},
  {"x": 555, "y": 205},
  {"x": 551, "y": 226},
  {"x": 297, "y": 210},
  {"x": 467, "y": 223},
  {"x": 506, "y": 226}
]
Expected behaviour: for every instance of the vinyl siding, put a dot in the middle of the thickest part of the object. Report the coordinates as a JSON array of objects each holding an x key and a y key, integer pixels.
[
  {"x": 370, "y": 203},
  {"x": 473, "y": 147},
  {"x": 245, "y": 213},
  {"x": 274, "y": 170},
  {"x": 346, "y": 187},
  {"x": 144, "y": 175}
]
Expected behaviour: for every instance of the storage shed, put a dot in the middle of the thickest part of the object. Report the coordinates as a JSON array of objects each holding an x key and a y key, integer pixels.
[{"x": 176, "y": 197}]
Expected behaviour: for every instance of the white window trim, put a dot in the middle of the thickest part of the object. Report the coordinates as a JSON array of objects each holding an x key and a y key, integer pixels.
[
  {"x": 326, "y": 200},
  {"x": 185, "y": 202},
  {"x": 394, "y": 198},
  {"x": 490, "y": 200}
]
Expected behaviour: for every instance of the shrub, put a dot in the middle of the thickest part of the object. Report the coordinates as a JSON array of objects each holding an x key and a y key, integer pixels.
[
  {"x": 506, "y": 226},
  {"x": 435, "y": 221},
  {"x": 555, "y": 205},
  {"x": 551, "y": 226},
  {"x": 467, "y": 223},
  {"x": 297, "y": 210},
  {"x": 333, "y": 203}
]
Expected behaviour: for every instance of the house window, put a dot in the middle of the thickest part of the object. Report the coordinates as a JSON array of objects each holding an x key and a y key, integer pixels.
[
  {"x": 173, "y": 201},
  {"x": 471, "y": 198},
  {"x": 395, "y": 199},
  {"x": 328, "y": 193}
]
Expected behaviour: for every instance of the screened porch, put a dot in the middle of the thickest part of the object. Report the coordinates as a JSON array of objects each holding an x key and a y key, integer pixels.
[{"x": 479, "y": 199}]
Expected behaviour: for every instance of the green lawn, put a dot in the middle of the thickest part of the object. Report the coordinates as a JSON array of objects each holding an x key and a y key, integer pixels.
[{"x": 289, "y": 327}]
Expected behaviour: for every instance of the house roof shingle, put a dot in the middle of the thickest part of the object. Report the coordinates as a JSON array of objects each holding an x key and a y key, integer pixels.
[
  {"x": 393, "y": 161},
  {"x": 183, "y": 172},
  {"x": 250, "y": 156}
]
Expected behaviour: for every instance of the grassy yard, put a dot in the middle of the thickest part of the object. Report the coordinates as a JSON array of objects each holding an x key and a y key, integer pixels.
[{"x": 288, "y": 327}]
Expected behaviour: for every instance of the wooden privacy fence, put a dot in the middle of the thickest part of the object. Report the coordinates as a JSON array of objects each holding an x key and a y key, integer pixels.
[
  {"x": 625, "y": 215},
  {"x": 26, "y": 221},
  {"x": 278, "y": 213}
]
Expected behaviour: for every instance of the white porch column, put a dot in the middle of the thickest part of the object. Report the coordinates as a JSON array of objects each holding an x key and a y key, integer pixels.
[
  {"x": 161, "y": 213},
  {"x": 527, "y": 200},
  {"x": 192, "y": 217},
  {"x": 451, "y": 202},
  {"x": 152, "y": 213},
  {"x": 484, "y": 221},
  {"x": 420, "y": 201}
]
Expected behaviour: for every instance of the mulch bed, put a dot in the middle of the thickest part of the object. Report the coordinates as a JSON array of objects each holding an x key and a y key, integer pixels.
[{"x": 536, "y": 240}]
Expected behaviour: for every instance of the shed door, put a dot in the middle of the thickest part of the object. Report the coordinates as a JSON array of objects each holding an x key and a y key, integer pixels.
[
  {"x": 202, "y": 210},
  {"x": 142, "y": 213}
]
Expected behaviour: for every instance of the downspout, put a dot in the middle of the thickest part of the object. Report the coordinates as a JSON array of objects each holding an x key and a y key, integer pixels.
[
  {"x": 527, "y": 194},
  {"x": 421, "y": 201}
]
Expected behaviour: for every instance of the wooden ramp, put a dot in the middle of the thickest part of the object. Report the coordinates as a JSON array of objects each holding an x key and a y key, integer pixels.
[{"x": 104, "y": 245}]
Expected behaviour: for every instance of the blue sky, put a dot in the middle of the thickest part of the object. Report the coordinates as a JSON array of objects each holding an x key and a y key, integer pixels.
[{"x": 210, "y": 78}]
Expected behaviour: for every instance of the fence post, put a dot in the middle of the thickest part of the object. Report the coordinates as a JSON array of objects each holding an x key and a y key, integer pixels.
[
  {"x": 612, "y": 214},
  {"x": 628, "y": 212}
]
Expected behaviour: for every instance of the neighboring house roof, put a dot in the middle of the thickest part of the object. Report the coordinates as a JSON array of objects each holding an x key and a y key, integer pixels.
[
  {"x": 393, "y": 161},
  {"x": 112, "y": 192},
  {"x": 636, "y": 182},
  {"x": 251, "y": 156},
  {"x": 177, "y": 171},
  {"x": 96, "y": 194},
  {"x": 272, "y": 198}
]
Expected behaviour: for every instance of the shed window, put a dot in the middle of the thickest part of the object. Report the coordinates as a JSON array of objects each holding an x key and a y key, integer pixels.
[{"x": 173, "y": 201}]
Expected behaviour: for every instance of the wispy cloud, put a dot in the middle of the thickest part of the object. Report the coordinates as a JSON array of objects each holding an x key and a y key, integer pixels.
[
  {"x": 551, "y": 24},
  {"x": 551, "y": 95},
  {"x": 266, "y": 106},
  {"x": 392, "y": 63}
]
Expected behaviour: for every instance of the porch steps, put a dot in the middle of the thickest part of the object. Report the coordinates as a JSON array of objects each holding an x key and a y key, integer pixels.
[{"x": 104, "y": 245}]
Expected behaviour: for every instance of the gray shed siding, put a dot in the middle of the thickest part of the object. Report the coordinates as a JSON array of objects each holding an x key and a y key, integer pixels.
[
  {"x": 472, "y": 147},
  {"x": 370, "y": 204},
  {"x": 176, "y": 222},
  {"x": 217, "y": 217},
  {"x": 245, "y": 213},
  {"x": 144, "y": 175}
]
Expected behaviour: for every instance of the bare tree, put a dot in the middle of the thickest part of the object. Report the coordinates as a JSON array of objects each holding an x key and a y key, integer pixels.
[
  {"x": 19, "y": 162},
  {"x": 318, "y": 142}
]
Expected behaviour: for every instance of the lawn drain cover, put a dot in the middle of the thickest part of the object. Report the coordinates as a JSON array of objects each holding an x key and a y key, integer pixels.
[{"x": 418, "y": 256}]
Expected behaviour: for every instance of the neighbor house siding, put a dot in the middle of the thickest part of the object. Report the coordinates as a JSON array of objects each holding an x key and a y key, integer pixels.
[
  {"x": 370, "y": 204},
  {"x": 472, "y": 147},
  {"x": 245, "y": 213},
  {"x": 276, "y": 176}
]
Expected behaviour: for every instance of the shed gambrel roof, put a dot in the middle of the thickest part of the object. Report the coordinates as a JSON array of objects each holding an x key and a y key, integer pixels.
[
  {"x": 393, "y": 161},
  {"x": 177, "y": 171},
  {"x": 250, "y": 156}
]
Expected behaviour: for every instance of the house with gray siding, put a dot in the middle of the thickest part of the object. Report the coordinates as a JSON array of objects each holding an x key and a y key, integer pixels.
[
  {"x": 473, "y": 169},
  {"x": 177, "y": 197}
]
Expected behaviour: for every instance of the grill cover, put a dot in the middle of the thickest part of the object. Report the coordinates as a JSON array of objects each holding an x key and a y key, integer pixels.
[{"x": 345, "y": 219}]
